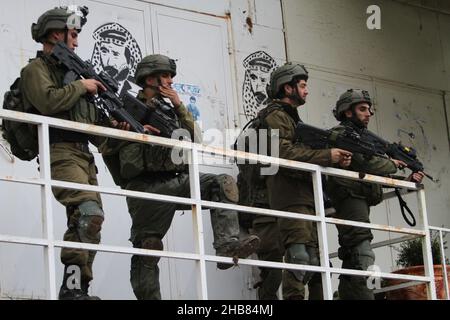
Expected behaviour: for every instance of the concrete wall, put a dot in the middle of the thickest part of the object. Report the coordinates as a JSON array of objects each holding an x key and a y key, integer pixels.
[{"x": 404, "y": 66}]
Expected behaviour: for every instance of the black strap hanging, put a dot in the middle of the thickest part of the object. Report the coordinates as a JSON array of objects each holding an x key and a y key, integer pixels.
[{"x": 403, "y": 206}]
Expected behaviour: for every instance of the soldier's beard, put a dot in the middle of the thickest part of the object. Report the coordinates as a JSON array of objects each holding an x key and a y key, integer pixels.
[
  {"x": 357, "y": 122},
  {"x": 297, "y": 100}
]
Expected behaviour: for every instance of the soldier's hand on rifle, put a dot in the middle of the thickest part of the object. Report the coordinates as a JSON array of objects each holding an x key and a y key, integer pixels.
[
  {"x": 416, "y": 177},
  {"x": 399, "y": 163},
  {"x": 120, "y": 125},
  {"x": 338, "y": 155},
  {"x": 92, "y": 86},
  {"x": 345, "y": 162},
  {"x": 169, "y": 92},
  {"x": 152, "y": 129}
]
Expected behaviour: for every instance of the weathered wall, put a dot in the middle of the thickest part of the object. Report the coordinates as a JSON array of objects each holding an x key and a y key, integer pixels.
[{"x": 404, "y": 66}]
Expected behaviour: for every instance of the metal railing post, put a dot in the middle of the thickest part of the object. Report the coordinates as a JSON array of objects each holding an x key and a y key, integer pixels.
[
  {"x": 47, "y": 213},
  {"x": 444, "y": 265},
  {"x": 426, "y": 245},
  {"x": 194, "y": 180},
  {"x": 322, "y": 234}
]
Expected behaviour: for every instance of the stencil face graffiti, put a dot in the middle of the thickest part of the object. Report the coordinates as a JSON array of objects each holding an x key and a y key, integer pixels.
[
  {"x": 258, "y": 67},
  {"x": 116, "y": 52}
]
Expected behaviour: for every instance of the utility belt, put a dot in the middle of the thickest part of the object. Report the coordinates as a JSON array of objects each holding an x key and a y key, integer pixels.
[
  {"x": 162, "y": 175},
  {"x": 76, "y": 140}
]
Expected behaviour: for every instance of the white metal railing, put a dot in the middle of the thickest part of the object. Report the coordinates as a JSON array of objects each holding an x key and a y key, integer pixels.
[
  {"x": 193, "y": 149},
  {"x": 443, "y": 258}
]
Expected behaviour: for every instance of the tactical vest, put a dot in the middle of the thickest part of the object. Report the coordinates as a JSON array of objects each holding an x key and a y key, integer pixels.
[
  {"x": 83, "y": 111},
  {"x": 141, "y": 159},
  {"x": 339, "y": 189}
]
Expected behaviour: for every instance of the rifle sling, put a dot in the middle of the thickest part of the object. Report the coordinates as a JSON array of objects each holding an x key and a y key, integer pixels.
[{"x": 403, "y": 206}]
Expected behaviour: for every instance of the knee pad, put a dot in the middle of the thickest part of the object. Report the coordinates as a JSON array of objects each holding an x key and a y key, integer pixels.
[
  {"x": 90, "y": 221},
  {"x": 366, "y": 256},
  {"x": 313, "y": 255},
  {"x": 298, "y": 254},
  {"x": 151, "y": 243},
  {"x": 359, "y": 257},
  {"x": 227, "y": 188}
]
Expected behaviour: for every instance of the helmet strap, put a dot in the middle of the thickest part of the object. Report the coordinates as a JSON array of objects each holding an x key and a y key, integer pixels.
[
  {"x": 66, "y": 35},
  {"x": 295, "y": 96}
]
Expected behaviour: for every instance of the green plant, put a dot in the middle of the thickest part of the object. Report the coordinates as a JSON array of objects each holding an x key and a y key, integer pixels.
[{"x": 410, "y": 252}]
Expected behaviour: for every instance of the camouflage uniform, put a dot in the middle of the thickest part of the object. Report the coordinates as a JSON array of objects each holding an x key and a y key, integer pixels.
[
  {"x": 352, "y": 201},
  {"x": 70, "y": 157},
  {"x": 291, "y": 190},
  {"x": 253, "y": 192},
  {"x": 43, "y": 87}
]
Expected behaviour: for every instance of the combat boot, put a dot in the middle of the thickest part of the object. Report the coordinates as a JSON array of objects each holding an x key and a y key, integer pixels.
[
  {"x": 74, "y": 294},
  {"x": 78, "y": 292},
  {"x": 237, "y": 249}
]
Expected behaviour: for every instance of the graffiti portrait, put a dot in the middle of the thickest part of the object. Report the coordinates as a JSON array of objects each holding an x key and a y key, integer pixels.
[
  {"x": 116, "y": 52},
  {"x": 258, "y": 67}
]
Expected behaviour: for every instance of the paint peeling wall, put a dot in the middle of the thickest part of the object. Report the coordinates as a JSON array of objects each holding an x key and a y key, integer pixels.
[
  {"x": 258, "y": 43},
  {"x": 405, "y": 66},
  {"x": 331, "y": 38}
]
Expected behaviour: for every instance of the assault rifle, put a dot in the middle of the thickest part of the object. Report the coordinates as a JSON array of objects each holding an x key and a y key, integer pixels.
[
  {"x": 162, "y": 116},
  {"x": 366, "y": 143},
  {"x": 348, "y": 140},
  {"x": 396, "y": 151},
  {"x": 107, "y": 101}
]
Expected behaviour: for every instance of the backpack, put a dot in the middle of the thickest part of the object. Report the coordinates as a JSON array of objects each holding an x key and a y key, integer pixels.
[
  {"x": 22, "y": 137},
  {"x": 252, "y": 185}
]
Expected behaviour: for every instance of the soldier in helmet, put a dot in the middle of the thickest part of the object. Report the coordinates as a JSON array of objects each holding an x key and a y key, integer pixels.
[
  {"x": 353, "y": 199},
  {"x": 150, "y": 168},
  {"x": 292, "y": 190},
  {"x": 43, "y": 88}
]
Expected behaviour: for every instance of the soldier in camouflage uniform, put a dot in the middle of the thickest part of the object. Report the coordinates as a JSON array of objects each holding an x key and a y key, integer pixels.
[
  {"x": 43, "y": 87},
  {"x": 149, "y": 168},
  {"x": 292, "y": 190},
  {"x": 353, "y": 199}
]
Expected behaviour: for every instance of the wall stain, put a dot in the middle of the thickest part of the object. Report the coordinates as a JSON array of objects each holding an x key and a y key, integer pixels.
[{"x": 249, "y": 23}]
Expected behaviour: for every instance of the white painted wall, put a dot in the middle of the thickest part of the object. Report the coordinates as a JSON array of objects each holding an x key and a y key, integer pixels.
[
  {"x": 328, "y": 36},
  {"x": 409, "y": 48}
]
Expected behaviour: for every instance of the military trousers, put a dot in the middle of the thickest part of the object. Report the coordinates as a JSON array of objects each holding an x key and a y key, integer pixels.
[
  {"x": 271, "y": 249},
  {"x": 295, "y": 231},
  {"x": 152, "y": 219},
  {"x": 73, "y": 162},
  {"x": 350, "y": 240}
]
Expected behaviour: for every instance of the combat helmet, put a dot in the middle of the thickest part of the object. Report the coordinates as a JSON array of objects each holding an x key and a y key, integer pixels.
[
  {"x": 64, "y": 17},
  {"x": 348, "y": 99},
  {"x": 283, "y": 75},
  {"x": 152, "y": 64}
]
